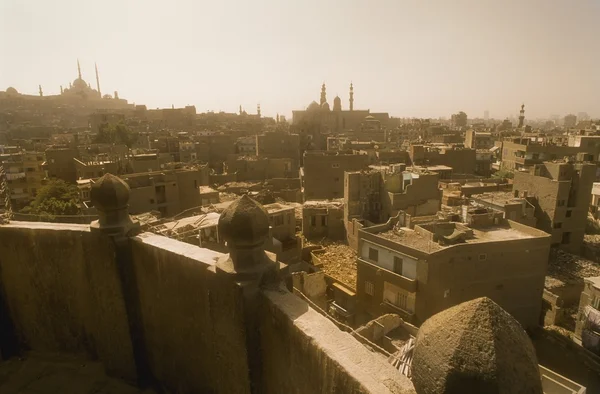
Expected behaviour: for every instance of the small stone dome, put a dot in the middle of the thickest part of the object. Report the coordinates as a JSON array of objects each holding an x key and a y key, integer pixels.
[
  {"x": 11, "y": 90},
  {"x": 474, "y": 347},
  {"x": 110, "y": 193},
  {"x": 313, "y": 106},
  {"x": 244, "y": 224},
  {"x": 369, "y": 117},
  {"x": 325, "y": 106}
]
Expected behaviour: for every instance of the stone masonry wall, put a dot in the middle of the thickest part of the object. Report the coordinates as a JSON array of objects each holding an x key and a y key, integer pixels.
[{"x": 61, "y": 287}]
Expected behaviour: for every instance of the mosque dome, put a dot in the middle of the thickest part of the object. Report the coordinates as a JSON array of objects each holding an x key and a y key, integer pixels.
[
  {"x": 474, "y": 347},
  {"x": 11, "y": 90},
  {"x": 369, "y": 117},
  {"x": 313, "y": 106},
  {"x": 80, "y": 84},
  {"x": 325, "y": 106},
  {"x": 337, "y": 103}
]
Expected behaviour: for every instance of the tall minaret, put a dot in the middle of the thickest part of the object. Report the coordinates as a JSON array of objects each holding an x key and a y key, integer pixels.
[
  {"x": 351, "y": 97},
  {"x": 323, "y": 95},
  {"x": 522, "y": 116},
  {"x": 61, "y": 89},
  {"x": 41, "y": 93},
  {"x": 78, "y": 69},
  {"x": 258, "y": 110},
  {"x": 97, "y": 80}
]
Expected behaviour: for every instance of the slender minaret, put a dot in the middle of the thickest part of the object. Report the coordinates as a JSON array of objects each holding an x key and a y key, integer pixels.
[
  {"x": 78, "y": 69},
  {"x": 351, "y": 97},
  {"x": 522, "y": 116},
  {"x": 41, "y": 92},
  {"x": 240, "y": 109},
  {"x": 258, "y": 110},
  {"x": 323, "y": 94},
  {"x": 61, "y": 89},
  {"x": 97, "y": 80}
]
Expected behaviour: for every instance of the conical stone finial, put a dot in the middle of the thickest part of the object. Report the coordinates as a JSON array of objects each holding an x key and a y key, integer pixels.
[
  {"x": 474, "y": 347},
  {"x": 244, "y": 225},
  {"x": 110, "y": 196}
]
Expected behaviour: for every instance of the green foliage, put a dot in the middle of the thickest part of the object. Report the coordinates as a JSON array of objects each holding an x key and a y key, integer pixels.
[
  {"x": 504, "y": 174},
  {"x": 116, "y": 134},
  {"x": 55, "y": 198}
]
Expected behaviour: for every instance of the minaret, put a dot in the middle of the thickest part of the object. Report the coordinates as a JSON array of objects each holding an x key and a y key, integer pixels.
[
  {"x": 351, "y": 97},
  {"x": 522, "y": 116},
  {"x": 97, "y": 80},
  {"x": 41, "y": 93},
  {"x": 78, "y": 69},
  {"x": 323, "y": 95},
  {"x": 258, "y": 110},
  {"x": 61, "y": 89},
  {"x": 240, "y": 109}
]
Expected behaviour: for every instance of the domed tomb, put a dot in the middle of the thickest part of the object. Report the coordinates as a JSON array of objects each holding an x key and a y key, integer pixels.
[{"x": 474, "y": 347}]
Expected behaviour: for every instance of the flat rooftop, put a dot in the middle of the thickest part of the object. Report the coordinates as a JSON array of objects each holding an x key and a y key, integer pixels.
[
  {"x": 415, "y": 240},
  {"x": 498, "y": 198},
  {"x": 335, "y": 203},
  {"x": 566, "y": 268}
]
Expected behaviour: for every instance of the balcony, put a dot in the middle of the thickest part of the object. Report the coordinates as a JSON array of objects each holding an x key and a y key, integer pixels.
[{"x": 11, "y": 176}]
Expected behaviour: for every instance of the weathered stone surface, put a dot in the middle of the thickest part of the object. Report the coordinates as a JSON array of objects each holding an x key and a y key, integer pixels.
[
  {"x": 244, "y": 224},
  {"x": 304, "y": 352},
  {"x": 110, "y": 196},
  {"x": 474, "y": 347},
  {"x": 63, "y": 292}
]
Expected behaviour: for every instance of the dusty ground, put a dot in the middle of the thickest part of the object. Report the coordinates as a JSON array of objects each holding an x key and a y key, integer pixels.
[
  {"x": 565, "y": 268},
  {"x": 55, "y": 373}
]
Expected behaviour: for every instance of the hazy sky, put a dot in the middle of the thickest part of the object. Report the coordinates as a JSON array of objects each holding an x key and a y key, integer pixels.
[{"x": 409, "y": 58}]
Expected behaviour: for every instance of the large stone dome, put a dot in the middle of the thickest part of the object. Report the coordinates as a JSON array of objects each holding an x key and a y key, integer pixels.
[
  {"x": 313, "y": 106},
  {"x": 11, "y": 90},
  {"x": 474, "y": 347}
]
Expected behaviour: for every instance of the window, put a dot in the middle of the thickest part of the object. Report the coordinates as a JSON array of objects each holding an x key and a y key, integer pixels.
[
  {"x": 369, "y": 288},
  {"x": 195, "y": 184},
  {"x": 373, "y": 254},
  {"x": 335, "y": 165},
  {"x": 482, "y": 257},
  {"x": 560, "y": 203},
  {"x": 566, "y": 238},
  {"x": 336, "y": 179},
  {"x": 398, "y": 297},
  {"x": 151, "y": 201},
  {"x": 323, "y": 221},
  {"x": 557, "y": 225},
  {"x": 278, "y": 220},
  {"x": 398, "y": 265},
  {"x": 313, "y": 221},
  {"x": 569, "y": 212}
]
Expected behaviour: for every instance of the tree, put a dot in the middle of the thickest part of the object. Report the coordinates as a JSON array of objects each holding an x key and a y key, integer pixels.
[
  {"x": 459, "y": 119},
  {"x": 117, "y": 133},
  {"x": 55, "y": 198}
]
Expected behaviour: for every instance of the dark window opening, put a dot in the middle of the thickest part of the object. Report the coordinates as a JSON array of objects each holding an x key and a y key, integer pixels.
[{"x": 373, "y": 254}]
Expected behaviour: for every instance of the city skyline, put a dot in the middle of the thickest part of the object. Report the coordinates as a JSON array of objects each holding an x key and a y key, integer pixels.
[{"x": 402, "y": 58}]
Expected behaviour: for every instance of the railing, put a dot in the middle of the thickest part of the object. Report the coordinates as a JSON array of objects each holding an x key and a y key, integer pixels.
[{"x": 11, "y": 176}]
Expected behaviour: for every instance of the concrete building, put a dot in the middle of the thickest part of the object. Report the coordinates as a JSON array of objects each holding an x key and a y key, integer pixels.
[
  {"x": 587, "y": 328},
  {"x": 513, "y": 207},
  {"x": 59, "y": 164},
  {"x": 462, "y": 160},
  {"x": 95, "y": 169},
  {"x": 561, "y": 193},
  {"x": 279, "y": 145},
  {"x": 569, "y": 121},
  {"x": 323, "y": 173},
  {"x": 418, "y": 272},
  {"x": 24, "y": 176},
  {"x": 208, "y": 196},
  {"x": 382, "y": 192},
  {"x": 323, "y": 219},
  {"x": 257, "y": 168},
  {"x": 521, "y": 153},
  {"x": 478, "y": 139}
]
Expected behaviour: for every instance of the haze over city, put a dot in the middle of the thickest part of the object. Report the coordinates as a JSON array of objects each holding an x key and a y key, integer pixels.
[{"x": 409, "y": 58}]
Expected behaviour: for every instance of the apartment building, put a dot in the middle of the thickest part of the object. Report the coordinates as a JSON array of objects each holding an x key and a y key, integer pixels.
[
  {"x": 417, "y": 272},
  {"x": 561, "y": 194},
  {"x": 323, "y": 173},
  {"x": 24, "y": 176}
]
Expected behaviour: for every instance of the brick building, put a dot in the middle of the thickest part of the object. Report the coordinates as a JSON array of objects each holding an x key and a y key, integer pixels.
[
  {"x": 323, "y": 219},
  {"x": 59, "y": 164},
  {"x": 462, "y": 160},
  {"x": 561, "y": 194},
  {"x": 379, "y": 194},
  {"x": 256, "y": 168},
  {"x": 417, "y": 272},
  {"x": 323, "y": 173},
  {"x": 24, "y": 176}
]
